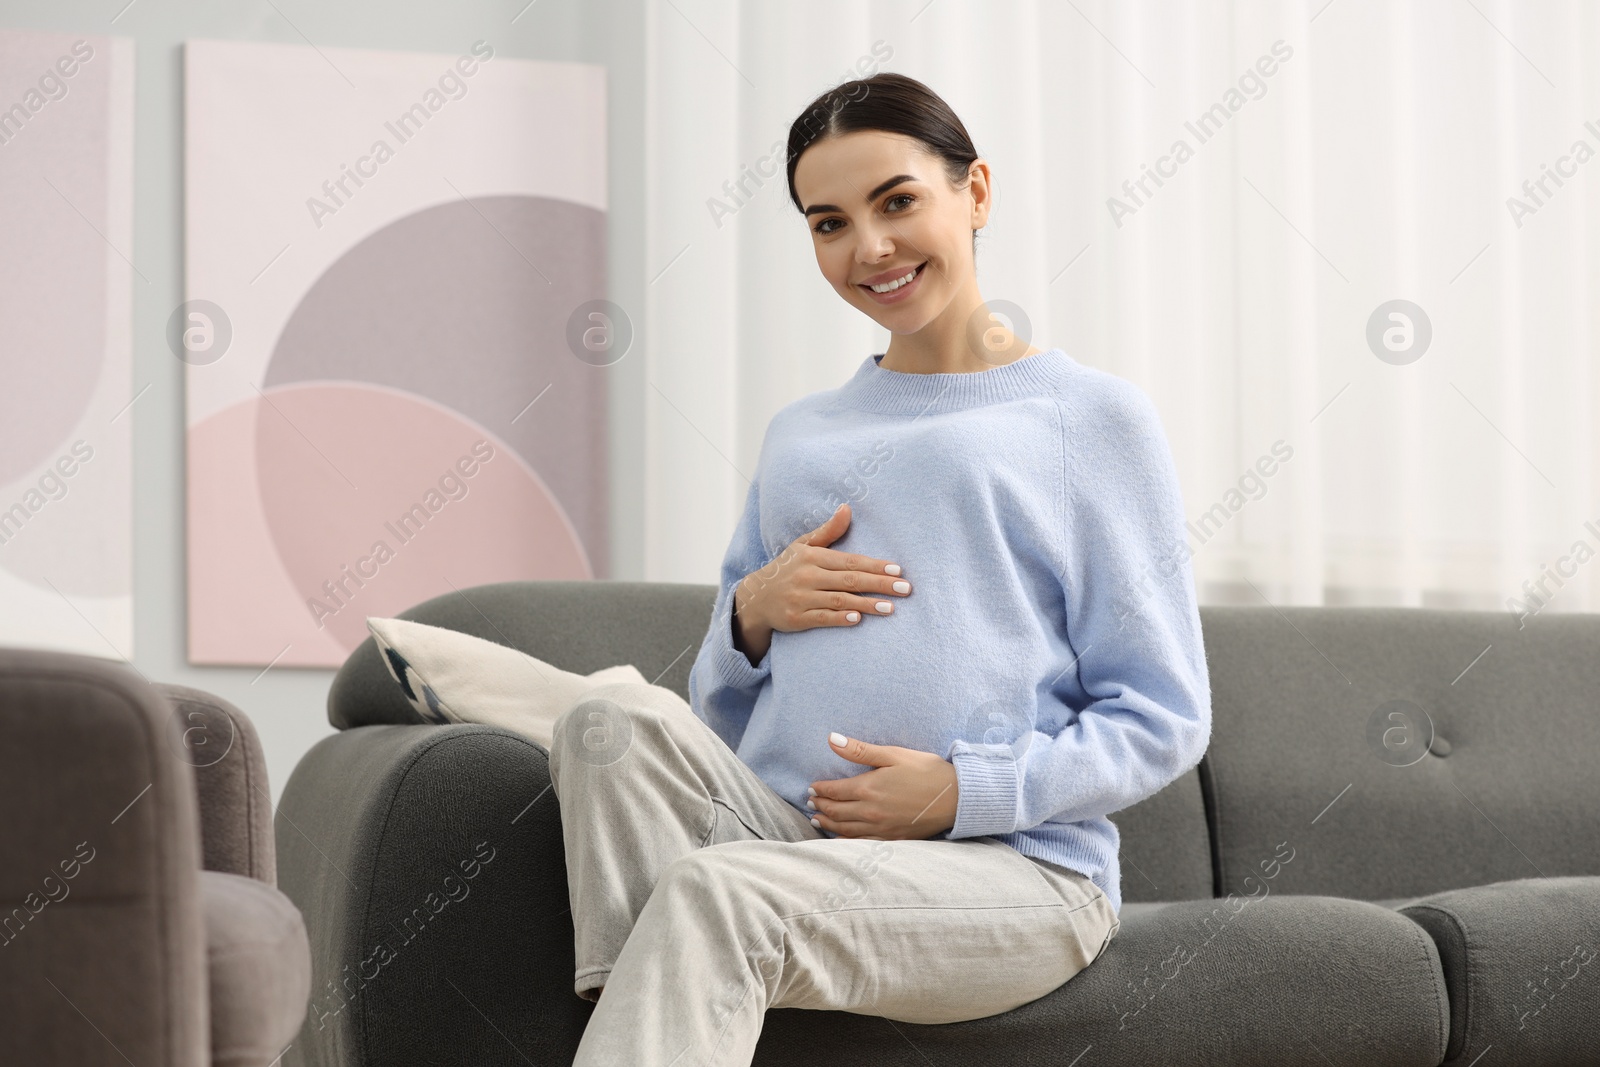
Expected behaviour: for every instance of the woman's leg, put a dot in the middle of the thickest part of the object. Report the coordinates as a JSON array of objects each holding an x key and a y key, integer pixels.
[
  {"x": 642, "y": 782},
  {"x": 930, "y": 931}
]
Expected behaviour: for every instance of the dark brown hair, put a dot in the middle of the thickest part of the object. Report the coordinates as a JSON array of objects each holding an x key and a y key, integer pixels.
[{"x": 893, "y": 103}]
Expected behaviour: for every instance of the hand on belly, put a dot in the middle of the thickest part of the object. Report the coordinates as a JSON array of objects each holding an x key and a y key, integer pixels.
[{"x": 908, "y": 794}]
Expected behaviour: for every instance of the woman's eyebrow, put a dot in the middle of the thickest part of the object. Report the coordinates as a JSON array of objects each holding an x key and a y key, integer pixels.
[{"x": 882, "y": 188}]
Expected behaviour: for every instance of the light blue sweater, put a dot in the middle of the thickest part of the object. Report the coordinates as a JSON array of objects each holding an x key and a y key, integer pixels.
[{"x": 1050, "y": 647}]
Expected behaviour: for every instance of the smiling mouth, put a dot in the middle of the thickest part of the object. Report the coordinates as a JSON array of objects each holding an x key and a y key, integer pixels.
[{"x": 910, "y": 277}]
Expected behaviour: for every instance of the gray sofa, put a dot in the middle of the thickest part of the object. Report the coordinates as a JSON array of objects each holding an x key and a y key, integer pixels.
[
  {"x": 139, "y": 922},
  {"x": 1389, "y": 856}
]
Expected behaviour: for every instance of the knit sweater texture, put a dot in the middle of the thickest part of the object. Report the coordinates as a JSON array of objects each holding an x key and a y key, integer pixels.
[{"x": 1050, "y": 646}]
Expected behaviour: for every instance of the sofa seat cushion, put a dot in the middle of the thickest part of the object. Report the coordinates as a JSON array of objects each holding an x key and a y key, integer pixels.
[
  {"x": 259, "y": 965},
  {"x": 1246, "y": 982},
  {"x": 1138, "y": 911},
  {"x": 1520, "y": 963}
]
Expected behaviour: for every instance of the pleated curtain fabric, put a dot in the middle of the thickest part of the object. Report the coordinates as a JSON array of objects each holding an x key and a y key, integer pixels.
[{"x": 1222, "y": 202}]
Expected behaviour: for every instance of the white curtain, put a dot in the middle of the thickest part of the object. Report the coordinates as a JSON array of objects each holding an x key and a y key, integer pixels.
[{"x": 1377, "y": 161}]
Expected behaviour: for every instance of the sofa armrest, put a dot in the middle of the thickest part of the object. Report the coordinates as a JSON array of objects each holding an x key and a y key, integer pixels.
[
  {"x": 230, "y": 776},
  {"x": 428, "y": 863},
  {"x": 101, "y": 931}
]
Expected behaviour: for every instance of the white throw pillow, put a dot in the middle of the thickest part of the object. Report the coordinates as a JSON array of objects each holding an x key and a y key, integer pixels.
[{"x": 449, "y": 676}]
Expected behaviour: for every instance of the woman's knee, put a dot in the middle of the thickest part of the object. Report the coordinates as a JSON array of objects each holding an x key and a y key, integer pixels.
[
  {"x": 593, "y": 732},
  {"x": 610, "y": 719}
]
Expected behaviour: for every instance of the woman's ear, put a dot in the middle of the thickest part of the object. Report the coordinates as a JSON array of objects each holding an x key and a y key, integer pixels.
[{"x": 981, "y": 190}]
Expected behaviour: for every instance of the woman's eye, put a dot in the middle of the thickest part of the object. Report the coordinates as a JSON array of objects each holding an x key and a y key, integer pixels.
[{"x": 907, "y": 197}]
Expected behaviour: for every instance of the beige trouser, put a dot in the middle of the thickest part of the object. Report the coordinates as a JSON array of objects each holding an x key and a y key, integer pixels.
[{"x": 701, "y": 898}]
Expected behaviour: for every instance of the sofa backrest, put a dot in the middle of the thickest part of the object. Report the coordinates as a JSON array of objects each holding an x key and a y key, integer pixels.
[
  {"x": 1391, "y": 752},
  {"x": 1395, "y": 752}
]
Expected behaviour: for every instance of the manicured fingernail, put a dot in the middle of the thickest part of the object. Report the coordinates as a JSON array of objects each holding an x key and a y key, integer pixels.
[
  {"x": 811, "y": 790},
  {"x": 811, "y": 804},
  {"x": 853, "y": 616},
  {"x": 817, "y": 824},
  {"x": 902, "y": 587},
  {"x": 891, "y": 568},
  {"x": 885, "y": 607},
  {"x": 839, "y": 739}
]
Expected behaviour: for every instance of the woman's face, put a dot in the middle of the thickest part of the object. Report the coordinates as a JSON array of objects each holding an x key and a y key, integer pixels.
[{"x": 879, "y": 205}]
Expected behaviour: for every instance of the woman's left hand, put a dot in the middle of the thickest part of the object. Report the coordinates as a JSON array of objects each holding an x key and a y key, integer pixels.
[{"x": 909, "y": 795}]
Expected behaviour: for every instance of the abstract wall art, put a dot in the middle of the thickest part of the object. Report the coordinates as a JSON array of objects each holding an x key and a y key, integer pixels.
[
  {"x": 387, "y": 256},
  {"x": 67, "y": 269}
]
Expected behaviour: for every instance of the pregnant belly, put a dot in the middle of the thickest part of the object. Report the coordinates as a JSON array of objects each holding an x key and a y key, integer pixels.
[
  {"x": 888, "y": 681},
  {"x": 890, "y": 684}
]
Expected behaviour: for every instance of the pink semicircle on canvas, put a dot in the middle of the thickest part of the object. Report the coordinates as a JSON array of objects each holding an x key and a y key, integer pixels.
[{"x": 378, "y": 499}]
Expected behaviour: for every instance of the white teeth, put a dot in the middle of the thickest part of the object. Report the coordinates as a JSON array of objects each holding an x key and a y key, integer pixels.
[{"x": 889, "y": 287}]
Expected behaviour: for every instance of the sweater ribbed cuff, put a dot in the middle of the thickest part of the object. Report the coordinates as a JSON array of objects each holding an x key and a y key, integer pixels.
[
  {"x": 733, "y": 667},
  {"x": 989, "y": 792}
]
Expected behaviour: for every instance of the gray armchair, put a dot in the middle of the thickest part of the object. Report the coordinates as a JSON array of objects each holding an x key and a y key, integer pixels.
[
  {"x": 139, "y": 919},
  {"x": 1389, "y": 856}
]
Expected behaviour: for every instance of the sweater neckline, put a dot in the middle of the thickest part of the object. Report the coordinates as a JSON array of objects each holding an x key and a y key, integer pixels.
[{"x": 894, "y": 392}]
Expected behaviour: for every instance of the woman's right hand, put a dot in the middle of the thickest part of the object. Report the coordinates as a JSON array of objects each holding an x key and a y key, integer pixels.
[{"x": 810, "y": 585}]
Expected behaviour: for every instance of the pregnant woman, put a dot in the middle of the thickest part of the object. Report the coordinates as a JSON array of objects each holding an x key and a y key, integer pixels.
[{"x": 956, "y": 628}]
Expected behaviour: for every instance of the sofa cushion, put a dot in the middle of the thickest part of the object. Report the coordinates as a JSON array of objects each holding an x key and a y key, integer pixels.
[
  {"x": 1402, "y": 751},
  {"x": 1520, "y": 963},
  {"x": 581, "y": 626},
  {"x": 1243, "y": 982},
  {"x": 259, "y": 965},
  {"x": 449, "y": 676},
  {"x": 1164, "y": 847},
  {"x": 1138, "y": 911}
]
